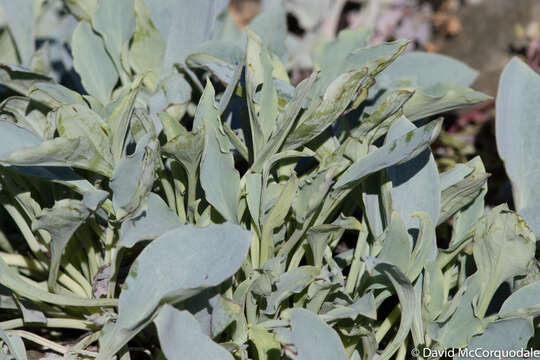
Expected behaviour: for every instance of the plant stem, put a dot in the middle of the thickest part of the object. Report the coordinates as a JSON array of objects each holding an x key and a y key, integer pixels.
[
  {"x": 255, "y": 249},
  {"x": 61, "y": 323},
  {"x": 402, "y": 352},
  {"x": 295, "y": 237},
  {"x": 297, "y": 257},
  {"x": 115, "y": 267},
  {"x": 194, "y": 78},
  {"x": 82, "y": 260},
  {"x": 267, "y": 244},
  {"x": 179, "y": 174},
  {"x": 237, "y": 143},
  {"x": 192, "y": 195},
  {"x": 298, "y": 233},
  {"x": 74, "y": 286},
  {"x": 109, "y": 240},
  {"x": 23, "y": 262},
  {"x": 108, "y": 207},
  {"x": 444, "y": 258},
  {"x": 168, "y": 190},
  {"x": 40, "y": 267},
  {"x": 4, "y": 243},
  {"x": 26, "y": 232},
  {"x": 251, "y": 308},
  {"x": 354, "y": 272},
  {"x": 92, "y": 255},
  {"x": 39, "y": 340},
  {"x": 86, "y": 341},
  {"x": 387, "y": 324}
]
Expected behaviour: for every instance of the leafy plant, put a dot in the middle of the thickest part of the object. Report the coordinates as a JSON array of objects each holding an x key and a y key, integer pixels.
[
  {"x": 266, "y": 221},
  {"x": 516, "y": 123}
]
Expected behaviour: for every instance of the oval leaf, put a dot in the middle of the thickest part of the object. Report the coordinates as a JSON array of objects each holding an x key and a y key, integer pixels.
[
  {"x": 313, "y": 338},
  {"x": 176, "y": 266},
  {"x": 181, "y": 337}
]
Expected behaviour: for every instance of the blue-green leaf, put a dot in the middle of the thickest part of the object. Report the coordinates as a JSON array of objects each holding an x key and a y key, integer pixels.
[
  {"x": 517, "y": 124},
  {"x": 13, "y": 138},
  {"x": 115, "y": 21},
  {"x": 219, "y": 179},
  {"x": 270, "y": 26},
  {"x": 22, "y": 147},
  {"x": 54, "y": 95},
  {"x": 153, "y": 219},
  {"x": 499, "y": 337},
  {"x": 407, "y": 299},
  {"x": 181, "y": 337},
  {"x": 95, "y": 67},
  {"x": 61, "y": 222},
  {"x": 524, "y": 298},
  {"x": 181, "y": 31},
  {"x": 175, "y": 266},
  {"x": 133, "y": 177},
  {"x": 20, "y": 18},
  {"x": 418, "y": 175},
  {"x": 313, "y": 338},
  {"x": 395, "y": 152},
  {"x": 441, "y": 97},
  {"x": 504, "y": 247},
  {"x": 14, "y": 344},
  {"x": 425, "y": 69}
]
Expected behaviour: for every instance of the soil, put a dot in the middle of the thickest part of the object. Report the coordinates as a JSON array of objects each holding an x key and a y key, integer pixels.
[
  {"x": 486, "y": 37},
  {"x": 486, "y": 42}
]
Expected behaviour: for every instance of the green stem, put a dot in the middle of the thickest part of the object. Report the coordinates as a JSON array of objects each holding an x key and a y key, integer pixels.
[
  {"x": 449, "y": 281},
  {"x": 61, "y": 323},
  {"x": 37, "y": 266},
  {"x": 444, "y": 258},
  {"x": 295, "y": 237},
  {"x": 86, "y": 341},
  {"x": 329, "y": 208},
  {"x": 124, "y": 79},
  {"x": 194, "y": 78},
  {"x": 251, "y": 308},
  {"x": 316, "y": 302},
  {"x": 237, "y": 143},
  {"x": 4, "y": 243},
  {"x": 108, "y": 207},
  {"x": 74, "y": 286},
  {"x": 37, "y": 248},
  {"x": 167, "y": 189},
  {"x": 78, "y": 278},
  {"x": 255, "y": 249},
  {"x": 109, "y": 240},
  {"x": 92, "y": 255},
  {"x": 387, "y": 324},
  {"x": 356, "y": 265},
  {"x": 192, "y": 196},
  {"x": 267, "y": 244},
  {"x": 296, "y": 259},
  {"x": 70, "y": 286},
  {"x": 23, "y": 262},
  {"x": 39, "y": 340},
  {"x": 402, "y": 352},
  {"x": 115, "y": 266},
  {"x": 180, "y": 200},
  {"x": 82, "y": 260}
]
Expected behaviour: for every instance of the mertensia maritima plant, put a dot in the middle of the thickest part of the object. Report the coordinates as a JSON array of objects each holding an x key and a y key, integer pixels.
[{"x": 175, "y": 194}]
